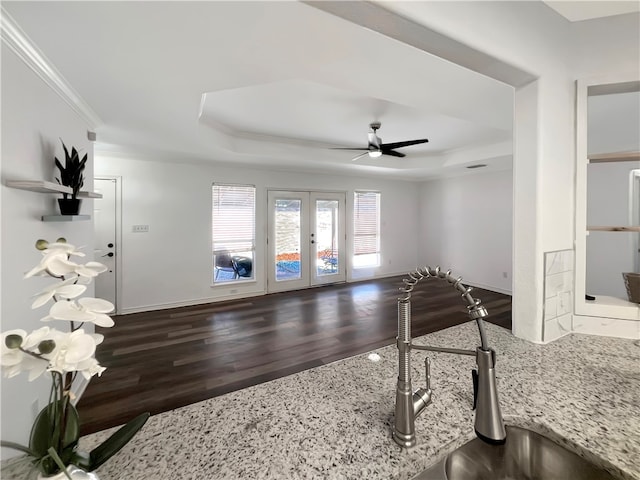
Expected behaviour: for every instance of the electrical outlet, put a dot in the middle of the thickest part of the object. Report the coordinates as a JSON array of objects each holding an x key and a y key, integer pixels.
[{"x": 140, "y": 228}]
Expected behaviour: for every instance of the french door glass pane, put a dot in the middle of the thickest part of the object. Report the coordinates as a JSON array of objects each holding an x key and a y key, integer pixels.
[
  {"x": 326, "y": 241},
  {"x": 287, "y": 236}
]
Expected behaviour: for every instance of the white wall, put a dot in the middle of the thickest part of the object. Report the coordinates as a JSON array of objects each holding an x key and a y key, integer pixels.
[
  {"x": 34, "y": 119},
  {"x": 533, "y": 37},
  {"x": 466, "y": 226},
  {"x": 171, "y": 264}
]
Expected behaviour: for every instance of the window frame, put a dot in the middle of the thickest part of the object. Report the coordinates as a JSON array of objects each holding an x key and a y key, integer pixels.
[
  {"x": 244, "y": 246},
  {"x": 370, "y": 229}
]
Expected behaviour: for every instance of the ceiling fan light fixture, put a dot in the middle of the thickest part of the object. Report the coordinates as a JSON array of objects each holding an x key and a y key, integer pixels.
[{"x": 375, "y": 153}]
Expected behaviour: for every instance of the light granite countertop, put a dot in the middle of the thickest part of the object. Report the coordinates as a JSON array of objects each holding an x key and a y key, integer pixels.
[{"x": 334, "y": 422}]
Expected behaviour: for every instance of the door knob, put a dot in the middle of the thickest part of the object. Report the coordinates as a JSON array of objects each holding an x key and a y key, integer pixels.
[
  {"x": 110, "y": 245},
  {"x": 110, "y": 254}
]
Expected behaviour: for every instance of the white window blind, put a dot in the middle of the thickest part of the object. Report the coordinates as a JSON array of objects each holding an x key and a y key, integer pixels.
[
  {"x": 366, "y": 221},
  {"x": 233, "y": 218}
]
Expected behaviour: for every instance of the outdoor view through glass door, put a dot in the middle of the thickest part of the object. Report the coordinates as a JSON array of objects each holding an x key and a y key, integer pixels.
[{"x": 306, "y": 239}]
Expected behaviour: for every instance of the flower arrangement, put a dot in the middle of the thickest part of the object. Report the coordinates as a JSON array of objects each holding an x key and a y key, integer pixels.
[{"x": 64, "y": 355}]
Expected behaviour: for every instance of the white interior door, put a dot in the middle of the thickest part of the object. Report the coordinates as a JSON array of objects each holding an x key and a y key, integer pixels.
[
  {"x": 306, "y": 239},
  {"x": 106, "y": 248}
]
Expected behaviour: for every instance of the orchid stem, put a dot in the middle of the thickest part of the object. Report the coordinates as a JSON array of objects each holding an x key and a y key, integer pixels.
[{"x": 33, "y": 354}]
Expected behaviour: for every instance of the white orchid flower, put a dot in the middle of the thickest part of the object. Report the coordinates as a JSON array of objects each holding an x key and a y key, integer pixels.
[
  {"x": 11, "y": 358},
  {"x": 86, "y": 309},
  {"x": 99, "y": 308},
  {"x": 90, "y": 367},
  {"x": 73, "y": 352},
  {"x": 64, "y": 247},
  {"x": 66, "y": 289},
  {"x": 90, "y": 269},
  {"x": 35, "y": 366},
  {"x": 55, "y": 260},
  {"x": 32, "y": 340},
  {"x": 15, "y": 360},
  {"x": 60, "y": 267}
]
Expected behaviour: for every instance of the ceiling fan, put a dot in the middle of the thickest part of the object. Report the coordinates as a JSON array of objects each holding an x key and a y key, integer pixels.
[{"x": 376, "y": 148}]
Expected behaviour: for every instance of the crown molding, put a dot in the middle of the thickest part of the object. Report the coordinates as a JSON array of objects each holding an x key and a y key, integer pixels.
[{"x": 30, "y": 54}]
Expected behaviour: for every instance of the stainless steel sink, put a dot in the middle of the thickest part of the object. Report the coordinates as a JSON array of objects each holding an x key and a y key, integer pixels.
[{"x": 526, "y": 455}]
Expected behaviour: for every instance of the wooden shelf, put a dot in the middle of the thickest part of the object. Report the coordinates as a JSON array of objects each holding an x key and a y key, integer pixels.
[
  {"x": 594, "y": 228},
  {"x": 42, "y": 186},
  {"x": 38, "y": 186},
  {"x": 83, "y": 194},
  {"x": 615, "y": 157},
  {"x": 65, "y": 218}
]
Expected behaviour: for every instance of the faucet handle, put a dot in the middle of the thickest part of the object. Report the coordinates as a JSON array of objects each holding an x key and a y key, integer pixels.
[
  {"x": 427, "y": 370},
  {"x": 474, "y": 378},
  {"x": 422, "y": 396}
]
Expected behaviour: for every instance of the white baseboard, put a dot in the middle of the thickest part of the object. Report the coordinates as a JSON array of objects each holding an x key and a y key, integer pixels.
[
  {"x": 188, "y": 303},
  {"x": 239, "y": 296}
]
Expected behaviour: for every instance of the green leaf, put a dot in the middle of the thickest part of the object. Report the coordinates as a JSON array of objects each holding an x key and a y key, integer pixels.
[
  {"x": 43, "y": 432},
  {"x": 58, "y": 460},
  {"x": 115, "y": 442},
  {"x": 59, "y": 165},
  {"x": 66, "y": 152},
  {"x": 17, "y": 446}
]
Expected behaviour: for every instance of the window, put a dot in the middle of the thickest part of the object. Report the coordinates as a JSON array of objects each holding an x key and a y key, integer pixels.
[
  {"x": 233, "y": 232},
  {"x": 366, "y": 228}
]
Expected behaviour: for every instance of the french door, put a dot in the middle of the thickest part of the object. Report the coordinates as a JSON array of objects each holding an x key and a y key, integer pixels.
[{"x": 306, "y": 241}]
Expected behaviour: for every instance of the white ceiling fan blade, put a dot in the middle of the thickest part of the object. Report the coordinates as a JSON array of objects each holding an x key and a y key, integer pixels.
[{"x": 359, "y": 156}]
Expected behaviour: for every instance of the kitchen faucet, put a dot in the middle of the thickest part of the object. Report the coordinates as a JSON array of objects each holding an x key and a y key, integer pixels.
[{"x": 489, "y": 425}]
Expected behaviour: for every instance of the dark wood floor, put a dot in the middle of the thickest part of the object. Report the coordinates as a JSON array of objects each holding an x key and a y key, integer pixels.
[{"x": 161, "y": 360}]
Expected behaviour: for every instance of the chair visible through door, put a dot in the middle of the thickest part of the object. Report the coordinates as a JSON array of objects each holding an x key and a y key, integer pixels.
[
  {"x": 243, "y": 266},
  {"x": 224, "y": 263}
]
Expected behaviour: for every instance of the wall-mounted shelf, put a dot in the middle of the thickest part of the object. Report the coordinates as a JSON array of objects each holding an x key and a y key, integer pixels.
[
  {"x": 65, "y": 218},
  {"x": 83, "y": 194},
  {"x": 43, "y": 186},
  {"x": 615, "y": 157},
  {"x": 38, "y": 186},
  {"x": 633, "y": 228},
  {"x": 608, "y": 314}
]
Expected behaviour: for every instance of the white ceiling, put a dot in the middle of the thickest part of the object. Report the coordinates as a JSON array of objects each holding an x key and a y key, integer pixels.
[
  {"x": 273, "y": 84},
  {"x": 578, "y": 10}
]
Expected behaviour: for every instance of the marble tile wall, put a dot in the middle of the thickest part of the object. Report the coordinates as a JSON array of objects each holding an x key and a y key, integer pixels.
[{"x": 558, "y": 294}]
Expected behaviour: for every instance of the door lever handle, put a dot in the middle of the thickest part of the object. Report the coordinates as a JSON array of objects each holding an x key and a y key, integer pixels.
[{"x": 110, "y": 254}]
